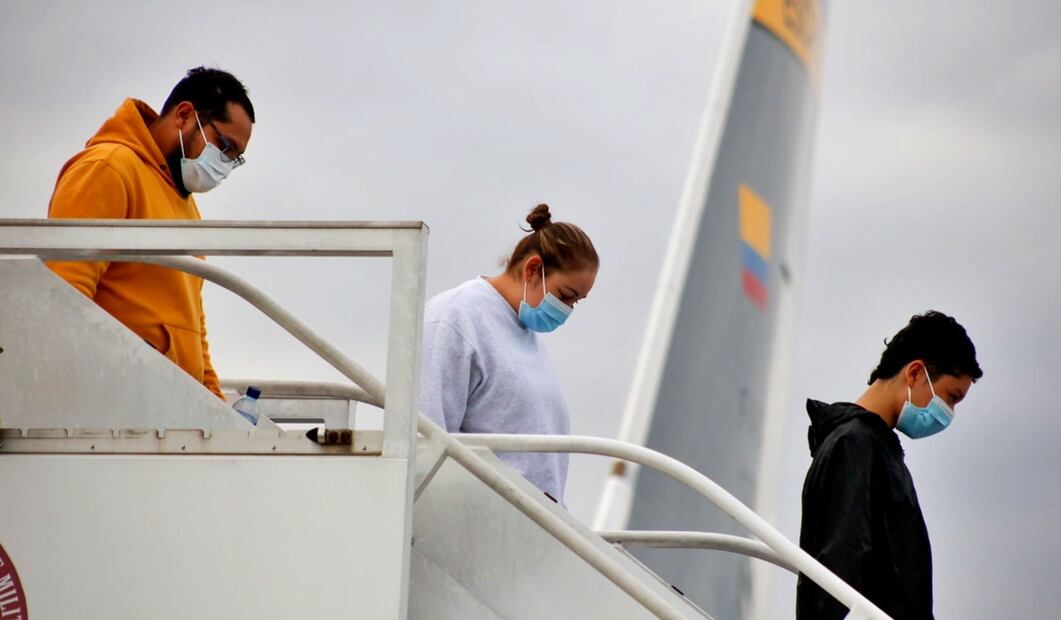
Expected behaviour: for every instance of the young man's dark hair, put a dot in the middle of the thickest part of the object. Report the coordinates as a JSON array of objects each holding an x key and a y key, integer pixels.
[
  {"x": 210, "y": 91},
  {"x": 937, "y": 340},
  {"x": 861, "y": 516}
]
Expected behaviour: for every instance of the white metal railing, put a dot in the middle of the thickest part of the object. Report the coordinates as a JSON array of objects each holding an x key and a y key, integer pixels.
[
  {"x": 859, "y": 606},
  {"x": 286, "y": 388},
  {"x": 696, "y": 540},
  {"x": 374, "y": 390},
  {"x": 164, "y": 244},
  {"x": 453, "y": 447},
  {"x": 174, "y": 244}
]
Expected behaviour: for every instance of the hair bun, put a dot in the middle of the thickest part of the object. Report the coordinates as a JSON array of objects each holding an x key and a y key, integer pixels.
[{"x": 539, "y": 217}]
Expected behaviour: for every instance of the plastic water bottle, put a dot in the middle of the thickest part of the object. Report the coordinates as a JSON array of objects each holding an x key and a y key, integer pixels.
[{"x": 248, "y": 405}]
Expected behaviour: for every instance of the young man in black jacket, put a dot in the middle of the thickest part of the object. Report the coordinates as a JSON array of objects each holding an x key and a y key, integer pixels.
[{"x": 861, "y": 517}]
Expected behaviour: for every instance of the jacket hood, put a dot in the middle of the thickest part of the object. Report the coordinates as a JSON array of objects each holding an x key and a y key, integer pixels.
[
  {"x": 129, "y": 127},
  {"x": 824, "y": 418}
]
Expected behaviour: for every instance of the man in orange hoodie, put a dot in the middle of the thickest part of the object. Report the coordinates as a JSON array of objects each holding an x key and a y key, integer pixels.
[{"x": 143, "y": 165}]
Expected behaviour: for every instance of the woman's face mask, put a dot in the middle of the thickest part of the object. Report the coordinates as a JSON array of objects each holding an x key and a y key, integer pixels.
[{"x": 550, "y": 313}]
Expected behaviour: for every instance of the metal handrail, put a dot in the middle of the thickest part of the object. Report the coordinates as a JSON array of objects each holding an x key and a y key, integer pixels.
[
  {"x": 454, "y": 449},
  {"x": 172, "y": 243},
  {"x": 373, "y": 387},
  {"x": 453, "y": 446},
  {"x": 458, "y": 447},
  {"x": 696, "y": 540},
  {"x": 859, "y": 606},
  {"x": 285, "y": 388},
  {"x": 532, "y": 507}
]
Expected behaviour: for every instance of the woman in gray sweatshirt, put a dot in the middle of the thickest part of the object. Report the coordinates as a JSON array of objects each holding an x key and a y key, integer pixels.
[{"x": 485, "y": 369}]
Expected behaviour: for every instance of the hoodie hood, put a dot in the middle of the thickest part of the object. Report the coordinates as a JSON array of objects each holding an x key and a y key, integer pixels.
[
  {"x": 129, "y": 128},
  {"x": 825, "y": 418}
]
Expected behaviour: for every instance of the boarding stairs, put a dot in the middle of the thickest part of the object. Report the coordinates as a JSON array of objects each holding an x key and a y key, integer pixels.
[{"x": 128, "y": 491}]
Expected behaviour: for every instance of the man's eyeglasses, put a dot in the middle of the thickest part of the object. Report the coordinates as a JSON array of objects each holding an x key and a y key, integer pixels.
[{"x": 227, "y": 148}]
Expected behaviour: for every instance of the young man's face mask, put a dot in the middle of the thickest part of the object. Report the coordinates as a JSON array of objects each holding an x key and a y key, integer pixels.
[
  {"x": 206, "y": 171},
  {"x": 550, "y": 313},
  {"x": 918, "y": 422}
]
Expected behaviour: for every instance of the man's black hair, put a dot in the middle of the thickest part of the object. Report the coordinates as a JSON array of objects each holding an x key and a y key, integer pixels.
[
  {"x": 937, "y": 340},
  {"x": 210, "y": 91}
]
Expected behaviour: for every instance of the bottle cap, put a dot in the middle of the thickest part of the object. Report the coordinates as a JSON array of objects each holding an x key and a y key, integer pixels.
[{"x": 253, "y": 392}]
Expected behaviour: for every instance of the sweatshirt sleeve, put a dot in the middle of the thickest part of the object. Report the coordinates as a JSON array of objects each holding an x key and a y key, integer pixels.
[
  {"x": 839, "y": 523},
  {"x": 447, "y": 371},
  {"x": 95, "y": 190}
]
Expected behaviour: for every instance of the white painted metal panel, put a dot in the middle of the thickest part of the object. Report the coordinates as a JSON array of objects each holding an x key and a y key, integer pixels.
[
  {"x": 161, "y": 537},
  {"x": 66, "y": 363},
  {"x": 438, "y": 595}
]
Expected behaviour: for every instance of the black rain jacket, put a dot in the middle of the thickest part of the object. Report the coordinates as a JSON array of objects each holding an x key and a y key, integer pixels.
[{"x": 861, "y": 518}]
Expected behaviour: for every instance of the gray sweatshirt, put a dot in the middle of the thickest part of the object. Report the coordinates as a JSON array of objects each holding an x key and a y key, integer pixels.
[{"x": 483, "y": 372}]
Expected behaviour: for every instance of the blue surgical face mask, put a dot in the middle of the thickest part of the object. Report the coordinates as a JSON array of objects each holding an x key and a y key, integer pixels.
[
  {"x": 206, "y": 171},
  {"x": 549, "y": 314},
  {"x": 917, "y": 422}
]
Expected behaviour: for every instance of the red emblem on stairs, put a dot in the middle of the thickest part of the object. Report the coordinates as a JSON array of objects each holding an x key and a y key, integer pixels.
[{"x": 12, "y": 598}]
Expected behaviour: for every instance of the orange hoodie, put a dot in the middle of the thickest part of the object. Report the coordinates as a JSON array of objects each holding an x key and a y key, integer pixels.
[{"x": 122, "y": 174}]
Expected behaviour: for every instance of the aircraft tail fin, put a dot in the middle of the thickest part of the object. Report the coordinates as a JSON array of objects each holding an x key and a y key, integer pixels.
[{"x": 711, "y": 381}]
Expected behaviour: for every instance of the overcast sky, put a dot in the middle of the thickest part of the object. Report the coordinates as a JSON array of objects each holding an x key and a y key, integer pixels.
[{"x": 936, "y": 186}]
